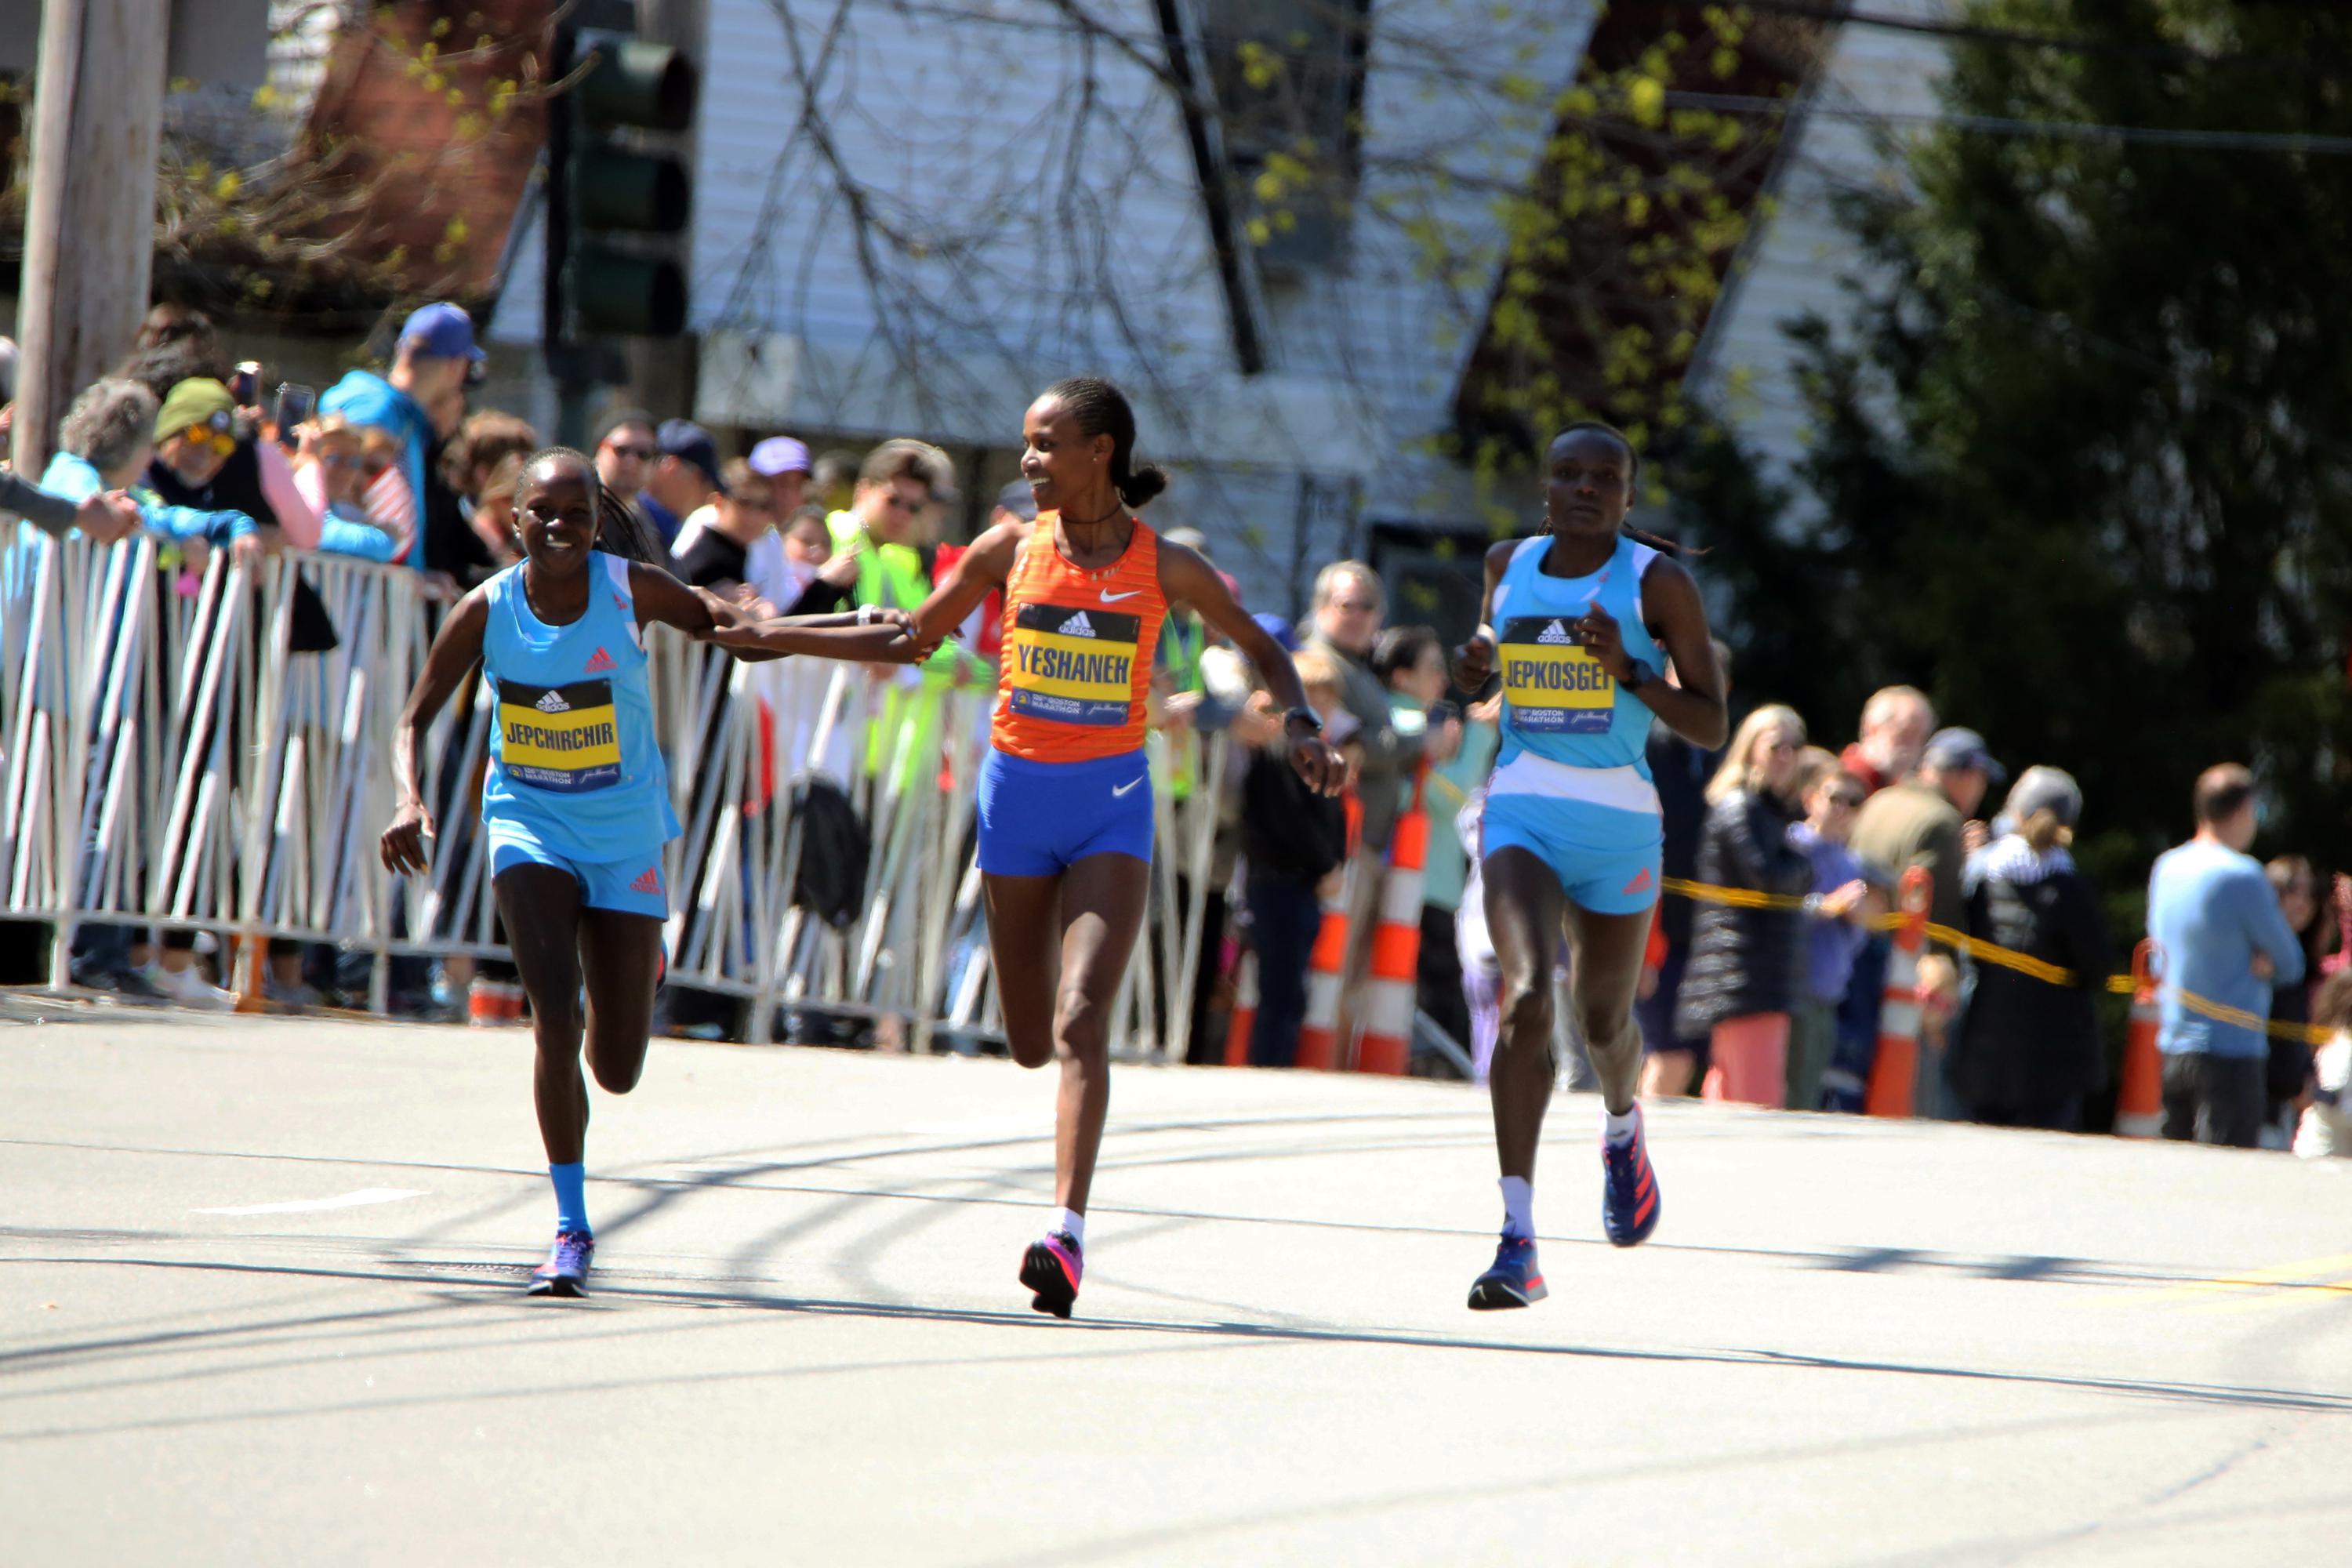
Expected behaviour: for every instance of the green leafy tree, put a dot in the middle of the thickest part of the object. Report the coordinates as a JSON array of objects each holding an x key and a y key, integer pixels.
[
  {"x": 2086, "y": 461},
  {"x": 328, "y": 212}
]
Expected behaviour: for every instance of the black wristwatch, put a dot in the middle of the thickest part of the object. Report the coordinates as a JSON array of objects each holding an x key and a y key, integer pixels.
[
  {"x": 1313, "y": 722},
  {"x": 1642, "y": 675}
]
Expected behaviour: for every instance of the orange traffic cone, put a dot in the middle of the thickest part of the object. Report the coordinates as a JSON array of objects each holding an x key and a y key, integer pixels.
[
  {"x": 493, "y": 1004},
  {"x": 1327, "y": 966},
  {"x": 1387, "y": 1042},
  {"x": 2139, "y": 1096},
  {"x": 1243, "y": 1018},
  {"x": 1899, "y": 1006},
  {"x": 1318, "y": 1036},
  {"x": 241, "y": 971}
]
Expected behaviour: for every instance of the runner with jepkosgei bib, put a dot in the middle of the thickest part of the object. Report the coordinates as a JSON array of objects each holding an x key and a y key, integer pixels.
[{"x": 1580, "y": 624}]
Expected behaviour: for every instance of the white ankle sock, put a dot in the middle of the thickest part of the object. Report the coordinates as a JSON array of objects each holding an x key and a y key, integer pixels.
[
  {"x": 1519, "y": 1207},
  {"x": 1071, "y": 1223}
]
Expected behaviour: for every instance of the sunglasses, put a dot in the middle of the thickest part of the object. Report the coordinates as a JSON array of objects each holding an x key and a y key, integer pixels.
[
  {"x": 757, "y": 501},
  {"x": 341, "y": 460},
  {"x": 900, "y": 503},
  {"x": 1851, "y": 802},
  {"x": 224, "y": 442},
  {"x": 639, "y": 454}
]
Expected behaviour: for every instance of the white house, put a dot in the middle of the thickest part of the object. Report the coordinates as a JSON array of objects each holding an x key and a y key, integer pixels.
[
  {"x": 1875, "y": 88},
  {"x": 912, "y": 217}
]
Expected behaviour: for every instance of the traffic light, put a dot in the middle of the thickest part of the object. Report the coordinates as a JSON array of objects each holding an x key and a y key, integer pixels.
[{"x": 614, "y": 191}]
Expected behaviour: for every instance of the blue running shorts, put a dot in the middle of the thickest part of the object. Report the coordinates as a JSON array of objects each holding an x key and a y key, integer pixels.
[
  {"x": 632, "y": 887},
  {"x": 1607, "y": 861},
  {"x": 1038, "y": 818}
]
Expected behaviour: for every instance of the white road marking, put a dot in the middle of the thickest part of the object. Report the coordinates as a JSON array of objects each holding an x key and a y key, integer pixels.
[{"x": 365, "y": 1195}]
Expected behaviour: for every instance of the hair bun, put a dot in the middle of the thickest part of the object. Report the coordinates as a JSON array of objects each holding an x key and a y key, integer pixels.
[{"x": 1139, "y": 486}]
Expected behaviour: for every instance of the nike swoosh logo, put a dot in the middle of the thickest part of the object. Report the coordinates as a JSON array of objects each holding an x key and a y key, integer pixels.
[
  {"x": 1121, "y": 791},
  {"x": 1111, "y": 598}
]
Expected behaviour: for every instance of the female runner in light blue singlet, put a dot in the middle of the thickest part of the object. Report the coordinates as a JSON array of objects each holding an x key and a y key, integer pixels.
[
  {"x": 576, "y": 804},
  {"x": 1580, "y": 624}
]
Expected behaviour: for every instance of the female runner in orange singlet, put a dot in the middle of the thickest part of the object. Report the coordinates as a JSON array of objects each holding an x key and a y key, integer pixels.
[{"x": 1065, "y": 818}]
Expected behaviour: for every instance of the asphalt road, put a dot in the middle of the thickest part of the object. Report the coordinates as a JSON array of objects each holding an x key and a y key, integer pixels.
[{"x": 259, "y": 1302}]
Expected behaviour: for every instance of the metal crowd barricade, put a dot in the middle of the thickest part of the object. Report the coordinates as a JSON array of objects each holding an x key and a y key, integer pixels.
[{"x": 171, "y": 761}]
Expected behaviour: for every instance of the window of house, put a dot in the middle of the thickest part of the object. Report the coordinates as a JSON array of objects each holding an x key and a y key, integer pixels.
[{"x": 1288, "y": 79}]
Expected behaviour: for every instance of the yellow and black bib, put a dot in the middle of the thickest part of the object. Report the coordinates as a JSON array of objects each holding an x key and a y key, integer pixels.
[
  {"x": 563, "y": 738},
  {"x": 1553, "y": 686},
  {"x": 1072, "y": 663}
]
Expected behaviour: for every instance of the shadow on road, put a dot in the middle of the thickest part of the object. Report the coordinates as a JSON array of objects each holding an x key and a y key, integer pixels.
[{"x": 467, "y": 1287}]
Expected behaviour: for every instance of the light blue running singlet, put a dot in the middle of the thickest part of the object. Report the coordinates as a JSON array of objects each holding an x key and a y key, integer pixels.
[
  {"x": 1558, "y": 702},
  {"x": 572, "y": 758}
]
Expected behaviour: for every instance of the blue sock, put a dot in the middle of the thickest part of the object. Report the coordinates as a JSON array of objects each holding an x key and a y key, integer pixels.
[{"x": 570, "y": 1196}]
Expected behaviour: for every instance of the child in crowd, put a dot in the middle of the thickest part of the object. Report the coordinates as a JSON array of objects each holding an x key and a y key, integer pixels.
[
  {"x": 2326, "y": 1127},
  {"x": 334, "y": 467},
  {"x": 808, "y": 545},
  {"x": 1839, "y": 908}
]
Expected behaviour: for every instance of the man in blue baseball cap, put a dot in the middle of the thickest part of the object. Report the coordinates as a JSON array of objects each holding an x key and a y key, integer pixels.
[
  {"x": 685, "y": 476},
  {"x": 421, "y": 400}
]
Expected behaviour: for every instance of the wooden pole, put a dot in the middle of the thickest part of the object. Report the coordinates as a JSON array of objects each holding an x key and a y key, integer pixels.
[{"x": 89, "y": 223}]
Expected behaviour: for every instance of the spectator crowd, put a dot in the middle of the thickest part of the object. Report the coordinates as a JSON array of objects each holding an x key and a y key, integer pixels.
[{"x": 1772, "y": 1001}]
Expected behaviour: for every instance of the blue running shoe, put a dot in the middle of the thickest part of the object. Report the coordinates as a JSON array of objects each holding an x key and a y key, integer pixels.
[
  {"x": 1629, "y": 1188},
  {"x": 1050, "y": 1268},
  {"x": 1513, "y": 1282},
  {"x": 565, "y": 1272}
]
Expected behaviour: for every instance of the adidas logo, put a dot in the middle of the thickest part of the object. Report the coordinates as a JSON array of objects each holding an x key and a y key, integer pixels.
[
  {"x": 1556, "y": 635},
  {"x": 599, "y": 661},
  {"x": 552, "y": 702},
  {"x": 1640, "y": 884},
  {"x": 649, "y": 883},
  {"x": 1077, "y": 625}
]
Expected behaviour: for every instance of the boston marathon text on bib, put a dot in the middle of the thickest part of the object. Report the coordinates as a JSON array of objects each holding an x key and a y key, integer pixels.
[
  {"x": 1073, "y": 664},
  {"x": 1553, "y": 685},
  {"x": 564, "y": 738}
]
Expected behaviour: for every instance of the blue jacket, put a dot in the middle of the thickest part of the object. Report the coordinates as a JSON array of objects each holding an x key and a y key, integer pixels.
[
  {"x": 75, "y": 479},
  {"x": 365, "y": 399},
  {"x": 2211, "y": 910}
]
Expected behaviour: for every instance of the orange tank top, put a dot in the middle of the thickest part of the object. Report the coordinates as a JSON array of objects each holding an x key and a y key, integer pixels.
[{"x": 1078, "y": 647}]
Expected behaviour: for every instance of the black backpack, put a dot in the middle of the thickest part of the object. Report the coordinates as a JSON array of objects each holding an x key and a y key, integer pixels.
[{"x": 835, "y": 848}]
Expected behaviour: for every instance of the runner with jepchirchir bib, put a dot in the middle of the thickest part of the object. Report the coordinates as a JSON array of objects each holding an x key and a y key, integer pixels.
[
  {"x": 1579, "y": 623},
  {"x": 575, "y": 804},
  {"x": 1065, "y": 817}
]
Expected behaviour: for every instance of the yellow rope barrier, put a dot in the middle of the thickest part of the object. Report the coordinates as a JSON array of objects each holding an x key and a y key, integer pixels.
[{"x": 1993, "y": 953}]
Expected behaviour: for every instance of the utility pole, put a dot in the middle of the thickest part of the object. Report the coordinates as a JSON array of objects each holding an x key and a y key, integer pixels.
[{"x": 90, "y": 224}]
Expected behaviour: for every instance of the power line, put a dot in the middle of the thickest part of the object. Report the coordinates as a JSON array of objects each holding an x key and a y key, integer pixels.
[
  {"x": 2002, "y": 125},
  {"x": 2007, "y": 38},
  {"x": 1825, "y": 11}
]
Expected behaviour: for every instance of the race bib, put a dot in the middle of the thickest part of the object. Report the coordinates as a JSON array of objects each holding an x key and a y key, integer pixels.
[
  {"x": 1073, "y": 666},
  {"x": 564, "y": 738},
  {"x": 1553, "y": 686}
]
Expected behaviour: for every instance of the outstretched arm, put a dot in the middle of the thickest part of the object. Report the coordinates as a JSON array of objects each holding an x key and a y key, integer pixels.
[
  {"x": 456, "y": 649},
  {"x": 874, "y": 637},
  {"x": 1185, "y": 577},
  {"x": 978, "y": 572}
]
